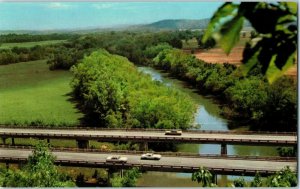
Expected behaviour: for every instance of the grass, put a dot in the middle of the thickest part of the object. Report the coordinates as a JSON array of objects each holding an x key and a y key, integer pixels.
[
  {"x": 29, "y": 44},
  {"x": 31, "y": 94}
]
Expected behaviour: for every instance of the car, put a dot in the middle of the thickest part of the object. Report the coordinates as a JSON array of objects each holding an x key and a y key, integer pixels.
[
  {"x": 173, "y": 132},
  {"x": 151, "y": 156},
  {"x": 116, "y": 159}
]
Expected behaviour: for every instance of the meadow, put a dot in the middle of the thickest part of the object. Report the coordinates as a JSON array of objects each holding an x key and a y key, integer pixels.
[
  {"x": 30, "y": 44},
  {"x": 32, "y": 94}
]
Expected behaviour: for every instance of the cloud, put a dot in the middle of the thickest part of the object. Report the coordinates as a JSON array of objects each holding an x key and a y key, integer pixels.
[
  {"x": 104, "y": 5},
  {"x": 57, "y": 5},
  {"x": 120, "y": 6}
]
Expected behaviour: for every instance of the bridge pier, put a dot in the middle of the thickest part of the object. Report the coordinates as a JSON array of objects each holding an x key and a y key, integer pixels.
[
  {"x": 121, "y": 173},
  {"x": 13, "y": 141},
  {"x": 7, "y": 165},
  {"x": 223, "y": 149},
  {"x": 295, "y": 148},
  {"x": 82, "y": 143},
  {"x": 48, "y": 140},
  {"x": 144, "y": 146},
  {"x": 109, "y": 175},
  {"x": 215, "y": 178},
  {"x": 4, "y": 140}
]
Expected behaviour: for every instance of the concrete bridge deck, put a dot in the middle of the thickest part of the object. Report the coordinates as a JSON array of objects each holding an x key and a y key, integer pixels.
[
  {"x": 219, "y": 165},
  {"x": 212, "y": 137}
]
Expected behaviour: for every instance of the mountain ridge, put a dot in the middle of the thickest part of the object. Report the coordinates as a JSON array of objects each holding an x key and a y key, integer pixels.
[{"x": 166, "y": 24}]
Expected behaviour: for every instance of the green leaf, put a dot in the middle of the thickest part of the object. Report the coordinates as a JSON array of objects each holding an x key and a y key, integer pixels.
[
  {"x": 292, "y": 6},
  {"x": 273, "y": 72},
  {"x": 227, "y": 9},
  {"x": 230, "y": 33},
  {"x": 250, "y": 63}
]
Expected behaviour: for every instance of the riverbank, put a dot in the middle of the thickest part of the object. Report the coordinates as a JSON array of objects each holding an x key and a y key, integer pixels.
[{"x": 209, "y": 117}]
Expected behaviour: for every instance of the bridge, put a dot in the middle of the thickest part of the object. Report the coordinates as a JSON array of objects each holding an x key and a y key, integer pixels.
[
  {"x": 168, "y": 163},
  {"x": 143, "y": 135}
]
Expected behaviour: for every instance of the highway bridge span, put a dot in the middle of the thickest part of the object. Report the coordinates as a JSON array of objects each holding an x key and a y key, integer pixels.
[{"x": 221, "y": 165}]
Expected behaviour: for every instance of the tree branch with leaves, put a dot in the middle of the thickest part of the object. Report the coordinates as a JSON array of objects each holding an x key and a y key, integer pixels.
[{"x": 276, "y": 25}]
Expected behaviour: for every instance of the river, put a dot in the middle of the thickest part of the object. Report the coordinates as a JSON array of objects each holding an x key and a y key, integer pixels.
[{"x": 209, "y": 118}]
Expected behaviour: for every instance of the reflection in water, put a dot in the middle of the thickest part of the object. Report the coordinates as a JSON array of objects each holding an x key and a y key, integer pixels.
[
  {"x": 207, "y": 114},
  {"x": 209, "y": 118},
  {"x": 158, "y": 179},
  {"x": 209, "y": 121}
]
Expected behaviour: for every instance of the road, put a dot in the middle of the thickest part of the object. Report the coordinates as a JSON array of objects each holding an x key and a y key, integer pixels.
[
  {"x": 233, "y": 166},
  {"x": 153, "y": 136}
]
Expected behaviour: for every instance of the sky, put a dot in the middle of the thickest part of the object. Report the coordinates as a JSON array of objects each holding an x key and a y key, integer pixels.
[{"x": 78, "y": 15}]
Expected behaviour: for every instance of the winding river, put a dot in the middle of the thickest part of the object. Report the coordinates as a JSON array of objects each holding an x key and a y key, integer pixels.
[{"x": 209, "y": 118}]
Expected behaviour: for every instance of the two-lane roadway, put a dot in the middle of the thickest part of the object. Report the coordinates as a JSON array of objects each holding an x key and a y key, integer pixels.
[
  {"x": 166, "y": 163},
  {"x": 153, "y": 136}
]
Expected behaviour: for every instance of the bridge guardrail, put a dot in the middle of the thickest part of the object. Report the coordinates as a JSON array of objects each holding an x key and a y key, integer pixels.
[
  {"x": 172, "y": 154},
  {"x": 148, "y": 138},
  {"x": 145, "y": 129}
]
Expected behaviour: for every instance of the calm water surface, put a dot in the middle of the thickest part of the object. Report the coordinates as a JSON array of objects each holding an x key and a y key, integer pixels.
[{"x": 209, "y": 118}]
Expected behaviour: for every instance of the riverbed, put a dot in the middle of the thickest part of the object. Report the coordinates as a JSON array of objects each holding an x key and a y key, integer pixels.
[{"x": 207, "y": 117}]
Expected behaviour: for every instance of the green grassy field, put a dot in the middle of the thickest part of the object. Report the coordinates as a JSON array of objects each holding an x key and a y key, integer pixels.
[
  {"x": 29, "y": 44},
  {"x": 31, "y": 94}
]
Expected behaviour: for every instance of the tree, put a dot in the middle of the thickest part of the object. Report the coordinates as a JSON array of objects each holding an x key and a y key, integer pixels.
[
  {"x": 128, "y": 180},
  {"x": 276, "y": 24},
  {"x": 239, "y": 182},
  {"x": 208, "y": 44},
  {"x": 283, "y": 178},
  {"x": 257, "y": 181},
  {"x": 203, "y": 176},
  {"x": 40, "y": 171}
]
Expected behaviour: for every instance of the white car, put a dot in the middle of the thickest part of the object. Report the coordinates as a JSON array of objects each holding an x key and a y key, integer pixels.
[
  {"x": 173, "y": 132},
  {"x": 151, "y": 156},
  {"x": 116, "y": 159}
]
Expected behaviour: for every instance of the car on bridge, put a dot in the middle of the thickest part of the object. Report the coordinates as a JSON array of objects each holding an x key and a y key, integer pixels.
[
  {"x": 116, "y": 159},
  {"x": 173, "y": 132},
  {"x": 151, "y": 156}
]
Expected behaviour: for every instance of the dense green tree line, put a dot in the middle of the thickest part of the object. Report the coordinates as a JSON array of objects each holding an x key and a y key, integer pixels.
[
  {"x": 129, "y": 44},
  {"x": 282, "y": 178},
  {"x": 113, "y": 93},
  {"x": 19, "y": 38},
  {"x": 251, "y": 97},
  {"x": 23, "y": 54}
]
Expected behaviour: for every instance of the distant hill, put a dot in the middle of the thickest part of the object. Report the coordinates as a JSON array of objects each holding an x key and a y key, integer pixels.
[{"x": 178, "y": 24}]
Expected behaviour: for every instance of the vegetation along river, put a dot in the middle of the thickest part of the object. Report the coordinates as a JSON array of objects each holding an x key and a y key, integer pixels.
[{"x": 207, "y": 117}]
